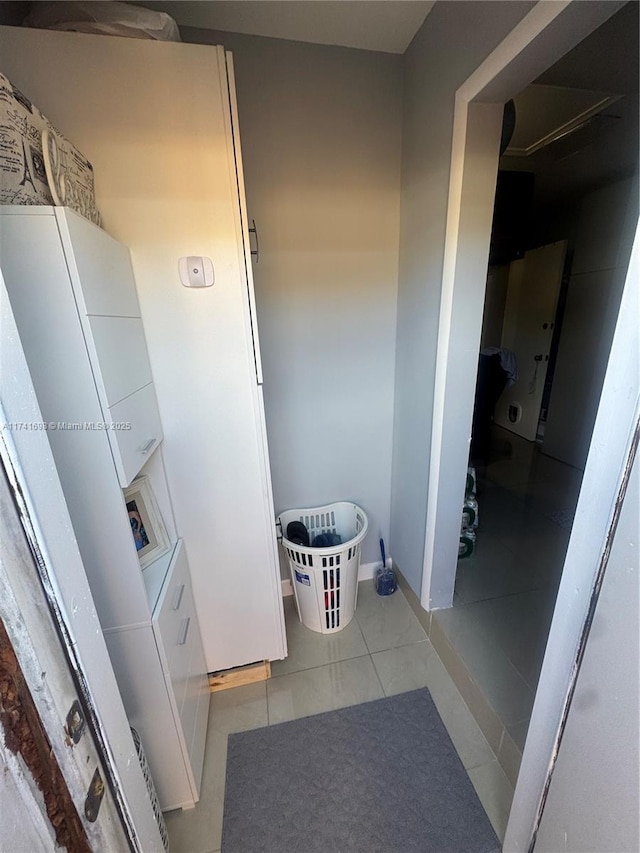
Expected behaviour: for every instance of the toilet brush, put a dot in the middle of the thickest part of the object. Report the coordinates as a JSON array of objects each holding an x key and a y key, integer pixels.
[{"x": 385, "y": 577}]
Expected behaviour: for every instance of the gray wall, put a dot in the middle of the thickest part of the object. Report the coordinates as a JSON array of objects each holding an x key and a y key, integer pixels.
[
  {"x": 603, "y": 235},
  {"x": 320, "y": 129},
  {"x": 495, "y": 300},
  {"x": 453, "y": 41},
  {"x": 593, "y": 802},
  {"x": 12, "y": 14}
]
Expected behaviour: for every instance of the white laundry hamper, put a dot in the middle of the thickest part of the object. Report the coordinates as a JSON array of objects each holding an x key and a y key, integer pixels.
[{"x": 325, "y": 580}]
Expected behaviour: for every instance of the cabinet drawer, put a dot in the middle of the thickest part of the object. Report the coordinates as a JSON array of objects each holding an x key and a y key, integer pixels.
[
  {"x": 179, "y": 648},
  {"x": 100, "y": 268},
  {"x": 177, "y": 625},
  {"x": 172, "y": 604},
  {"x": 119, "y": 358},
  {"x": 142, "y": 684},
  {"x": 197, "y": 682},
  {"x": 132, "y": 447},
  {"x": 182, "y": 657}
]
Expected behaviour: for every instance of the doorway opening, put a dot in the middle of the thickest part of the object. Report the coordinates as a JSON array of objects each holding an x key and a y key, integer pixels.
[{"x": 563, "y": 226}]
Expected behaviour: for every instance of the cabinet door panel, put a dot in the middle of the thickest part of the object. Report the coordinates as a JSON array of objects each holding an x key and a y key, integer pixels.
[
  {"x": 100, "y": 268},
  {"x": 189, "y": 710},
  {"x": 182, "y": 656},
  {"x": 197, "y": 685},
  {"x": 178, "y": 646},
  {"x": 172, "y": 604},
  {"x": 144, "y": 693},
  {"x": 133, "y": 446},
  {"x": 196, "y": 753},
  {"x": 177, "y": 626},
  {"x": 121, "y": 362}
]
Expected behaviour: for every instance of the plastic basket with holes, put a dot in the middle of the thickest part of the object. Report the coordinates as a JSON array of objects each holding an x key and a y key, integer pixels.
[{"x": 325, "y": 579}]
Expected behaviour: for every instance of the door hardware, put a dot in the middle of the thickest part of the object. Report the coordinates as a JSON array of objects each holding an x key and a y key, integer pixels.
[
  {"x": 254, "y": 230},
  {"x": 75, "y": 722},
  {"x": 94, "y": 797}
]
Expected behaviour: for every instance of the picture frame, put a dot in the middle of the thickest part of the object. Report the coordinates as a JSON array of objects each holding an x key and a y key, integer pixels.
[{"x": 149, "y": 534}]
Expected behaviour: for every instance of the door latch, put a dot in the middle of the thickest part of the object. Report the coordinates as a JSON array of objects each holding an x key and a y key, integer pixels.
[
  {"x": 75, "y": 722},
  {"x": 94, "y": 797}
]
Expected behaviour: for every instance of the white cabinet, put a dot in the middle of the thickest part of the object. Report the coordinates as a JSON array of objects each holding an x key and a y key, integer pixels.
[
  {"x": 164, "y": 661},
  {"x": 73, "y": 294},
  {"x": 104, "y": 288},
  {"x": 164, "y": 142}
]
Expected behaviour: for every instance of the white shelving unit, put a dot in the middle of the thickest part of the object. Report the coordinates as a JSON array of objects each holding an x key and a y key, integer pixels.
[{"x": 73, "y": 293}]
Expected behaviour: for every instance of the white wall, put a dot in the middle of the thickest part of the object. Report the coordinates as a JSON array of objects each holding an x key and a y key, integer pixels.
[
  {"x": 320, "y": 129},
  {"x": 593, "y": 801},
  {"x": 450, "y": 45},
  {"x": 603, "y": 235}
]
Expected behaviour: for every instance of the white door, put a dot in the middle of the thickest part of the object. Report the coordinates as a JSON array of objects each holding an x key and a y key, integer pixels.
[{"x": 532, "y": 299}]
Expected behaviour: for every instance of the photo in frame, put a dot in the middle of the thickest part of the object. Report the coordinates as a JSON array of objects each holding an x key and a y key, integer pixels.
[{"x": 147, "y": 528}]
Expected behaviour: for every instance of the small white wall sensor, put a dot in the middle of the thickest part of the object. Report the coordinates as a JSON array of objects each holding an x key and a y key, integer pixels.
[{"x": 196, "y": 272}]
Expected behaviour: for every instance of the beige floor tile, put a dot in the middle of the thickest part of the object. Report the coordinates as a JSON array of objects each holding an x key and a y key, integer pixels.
[
  {"x": 325, "y": 688},
  {"x": 495, "y": 793},
  {"x": 386, "y": 621},
  {"x": 470, "y": 631},
  {"x": 239, "y": 709},
  {"x": 493, "y": 571},
  {"x": 473, "y": 696},
  {"x": 309, "y": 649},
  {"x": 199, "y": 830},
  {"x": 411, "y": 667},
  {"x": 405, "y": 668}
]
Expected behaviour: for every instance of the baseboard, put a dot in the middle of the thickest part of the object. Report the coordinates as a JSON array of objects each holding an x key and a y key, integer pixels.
[
  {"x": 507, "y": 753},
  {"x": 366, "y": 572}
]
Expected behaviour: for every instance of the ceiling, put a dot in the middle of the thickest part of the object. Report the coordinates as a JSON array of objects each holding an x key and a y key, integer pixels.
[
  {"x": 383, "y": 25},
  {"x": 577, "y": 125}
]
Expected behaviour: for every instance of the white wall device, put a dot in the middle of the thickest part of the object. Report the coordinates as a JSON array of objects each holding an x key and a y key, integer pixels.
[{"x": 196, "y": 271}]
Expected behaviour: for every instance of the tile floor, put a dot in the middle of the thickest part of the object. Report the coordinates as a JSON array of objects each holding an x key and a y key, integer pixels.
[
  {"x": 383, "y": 651},
  {"x": 505, "y": 593}
]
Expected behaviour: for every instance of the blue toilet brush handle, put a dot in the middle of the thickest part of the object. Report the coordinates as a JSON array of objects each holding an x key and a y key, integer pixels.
[{"x": 384, "y": 559}]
